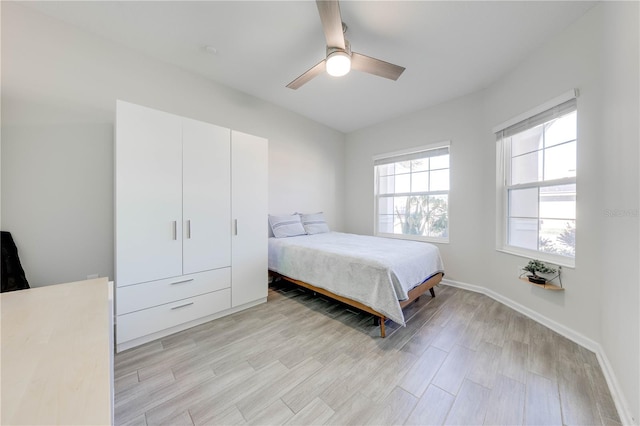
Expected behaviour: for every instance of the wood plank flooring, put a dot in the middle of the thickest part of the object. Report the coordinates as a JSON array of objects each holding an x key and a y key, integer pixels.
[{"x": 462, "y": 359}]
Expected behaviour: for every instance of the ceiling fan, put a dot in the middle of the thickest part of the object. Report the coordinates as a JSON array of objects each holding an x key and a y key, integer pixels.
[{"x": 340, "y": 59}]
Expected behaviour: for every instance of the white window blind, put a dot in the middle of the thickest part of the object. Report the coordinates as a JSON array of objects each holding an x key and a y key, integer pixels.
[
  {"x": 543, "y": 117},
  {"x": 435, "y": 152}
]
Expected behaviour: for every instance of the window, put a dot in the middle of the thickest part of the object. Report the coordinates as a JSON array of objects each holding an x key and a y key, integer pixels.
[
  {"x": 412, "y": 194},
  {"x": 539, "y": 184}
]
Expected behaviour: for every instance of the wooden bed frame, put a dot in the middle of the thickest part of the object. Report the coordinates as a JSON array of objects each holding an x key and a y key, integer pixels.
[{"x": 414, "y": 294}]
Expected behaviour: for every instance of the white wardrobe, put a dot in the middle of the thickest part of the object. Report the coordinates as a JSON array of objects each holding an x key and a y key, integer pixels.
[{"x": 190, "y": 209}]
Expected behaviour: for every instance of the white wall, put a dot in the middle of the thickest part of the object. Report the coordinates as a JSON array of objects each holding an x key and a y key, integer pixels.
[
  {"x": 457, "y": 121},
  {"x": 619, "y": 210},
  {"x": 571, "y": 60},
  {"x": 59, "y": 87},
  {"x": 470, "y": 256},
  {"x": 600, "y": 303}
]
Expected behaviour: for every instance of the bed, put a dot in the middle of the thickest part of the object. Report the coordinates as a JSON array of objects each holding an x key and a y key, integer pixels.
[{"x": 377, "y": 275}]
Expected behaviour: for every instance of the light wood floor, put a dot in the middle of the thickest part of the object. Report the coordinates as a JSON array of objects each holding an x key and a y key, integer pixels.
[{"x": 298, "y": 359}]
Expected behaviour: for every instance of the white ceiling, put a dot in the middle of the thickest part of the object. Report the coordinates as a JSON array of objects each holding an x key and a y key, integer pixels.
[{"x": 449, "y": 48}]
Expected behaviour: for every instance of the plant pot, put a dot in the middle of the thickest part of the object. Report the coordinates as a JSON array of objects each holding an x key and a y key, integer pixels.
[{"x": 537, "y": 280}]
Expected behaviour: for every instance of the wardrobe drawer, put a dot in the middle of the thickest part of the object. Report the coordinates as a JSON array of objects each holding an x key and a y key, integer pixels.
[
  {"x": 147, "y": 321},
  {"x": 146, "y": 295}
]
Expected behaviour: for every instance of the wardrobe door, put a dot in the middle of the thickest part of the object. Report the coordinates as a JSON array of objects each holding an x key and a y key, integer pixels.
[
  {"x": 148, "y": 194},
  {"x": 206, "y": 196},
  {"x": 249, "y": 159}
]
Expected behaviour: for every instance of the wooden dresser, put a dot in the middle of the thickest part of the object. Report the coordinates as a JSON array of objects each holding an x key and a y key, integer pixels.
[{"x": 57, "y": 354}]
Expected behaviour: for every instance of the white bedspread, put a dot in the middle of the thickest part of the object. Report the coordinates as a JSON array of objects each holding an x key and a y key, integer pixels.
[{"x": 372, "y": 270}]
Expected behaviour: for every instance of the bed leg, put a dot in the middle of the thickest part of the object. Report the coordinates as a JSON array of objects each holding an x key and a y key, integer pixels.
[
  {"x": 379, "y": 321},
  {"x": 433, "y": 293}
]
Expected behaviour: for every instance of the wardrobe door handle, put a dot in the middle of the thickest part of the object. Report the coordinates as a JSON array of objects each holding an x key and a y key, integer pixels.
[
  {"x": 189, "y": 229},
  {"x": 182, "y": 306},
  {"x": 175, "y": 229},
  {"x": 235, "y": 227}
]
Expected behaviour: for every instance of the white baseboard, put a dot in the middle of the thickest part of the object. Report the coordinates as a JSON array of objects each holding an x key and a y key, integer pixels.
[{"x": 614, "y": 387}]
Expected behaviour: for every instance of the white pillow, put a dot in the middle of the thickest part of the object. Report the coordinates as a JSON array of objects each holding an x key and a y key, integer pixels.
[
  {"x": 314, "y": 223},
  {"x": 286, "y": 226}
]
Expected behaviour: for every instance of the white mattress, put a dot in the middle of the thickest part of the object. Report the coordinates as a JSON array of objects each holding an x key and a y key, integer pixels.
[{"x": 372, "y": 270}]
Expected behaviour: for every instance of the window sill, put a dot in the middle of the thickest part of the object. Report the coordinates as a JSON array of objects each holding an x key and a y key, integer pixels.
[
  {"x": 414, "y": 238},
  {"x": 565, "y": 262}
]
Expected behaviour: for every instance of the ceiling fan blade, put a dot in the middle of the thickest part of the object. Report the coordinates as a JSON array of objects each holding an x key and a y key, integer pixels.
[
  {"x": 375, "y": 66},
  {"x": 331, "y": 22},
  {"x": 304, "y": 78}
]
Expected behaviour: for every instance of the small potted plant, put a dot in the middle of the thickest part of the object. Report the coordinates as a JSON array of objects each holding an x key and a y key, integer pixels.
[{"x": 535, "y": 266}]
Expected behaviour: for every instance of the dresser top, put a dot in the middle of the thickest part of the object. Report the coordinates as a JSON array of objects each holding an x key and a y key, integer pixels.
[{"x": 56, "y": 357}]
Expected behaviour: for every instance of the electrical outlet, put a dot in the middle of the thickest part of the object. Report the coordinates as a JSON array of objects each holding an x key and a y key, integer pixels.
[{"x": 93, "y": 276}]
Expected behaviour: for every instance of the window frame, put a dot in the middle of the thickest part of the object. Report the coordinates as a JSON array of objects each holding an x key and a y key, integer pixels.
[
  {"x": 503, "y": 176},
  {"x": 376, "y": 195}
]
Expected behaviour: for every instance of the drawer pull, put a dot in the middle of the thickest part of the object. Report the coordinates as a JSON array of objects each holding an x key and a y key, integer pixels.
[
  {"x": 182, "y": 306},
  {"x": 182, "y": 282}
]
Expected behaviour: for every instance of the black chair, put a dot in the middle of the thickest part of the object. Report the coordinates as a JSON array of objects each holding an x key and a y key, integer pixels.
[{"x": 12, "y": 274}]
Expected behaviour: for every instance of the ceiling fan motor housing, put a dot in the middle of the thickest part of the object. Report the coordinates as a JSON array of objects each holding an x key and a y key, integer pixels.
[{"x": 347, "y": 49}]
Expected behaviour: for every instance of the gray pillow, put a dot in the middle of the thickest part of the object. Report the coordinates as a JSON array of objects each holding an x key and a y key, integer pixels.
[
  {"x": 314, "y": 223},
  {"x": 286, "y": 225}
]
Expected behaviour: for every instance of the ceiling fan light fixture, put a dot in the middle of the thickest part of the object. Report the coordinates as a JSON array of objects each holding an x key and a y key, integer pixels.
[{"x": 338, "y": 63}]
